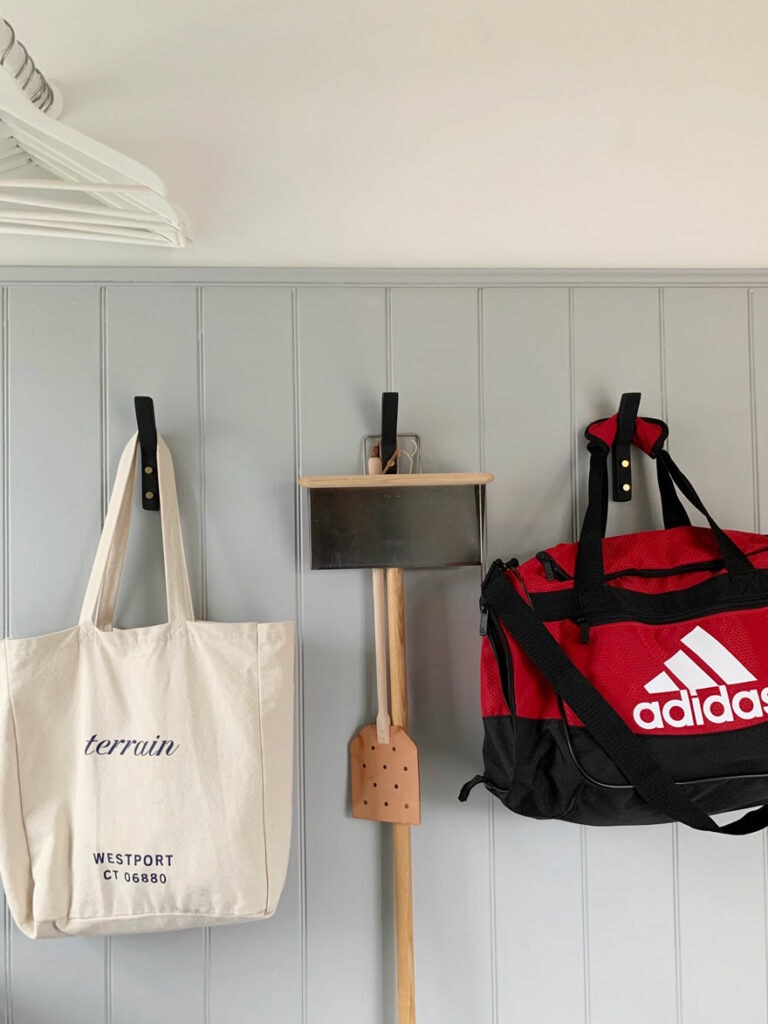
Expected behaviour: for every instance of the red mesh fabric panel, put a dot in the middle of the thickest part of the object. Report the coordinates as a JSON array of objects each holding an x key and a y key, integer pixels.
[
  {"x": 605, "y": 430},
  {"x": 491, "y": 695},
  {"x": 646, "y": 435},
  {"x": 655, "y": 549},
  {"x": 623, "y": 658}
]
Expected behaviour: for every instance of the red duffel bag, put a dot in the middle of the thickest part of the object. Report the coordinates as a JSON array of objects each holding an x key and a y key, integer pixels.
[{"x": 624, "y": 681}]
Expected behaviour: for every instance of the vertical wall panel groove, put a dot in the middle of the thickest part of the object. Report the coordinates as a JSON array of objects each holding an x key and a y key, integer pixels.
[
  {"x": 104, "y": 470},
  {"x": 758, "y": 337},
  {"x": 576, "y": 491},
  {"x": 754, "y": 439},
  {"x": 200, "y": 365},
  {"x": 103, "y": 400},
  {"x": 299, "y": 532},
  {"x": 250, "y": 522},
  {"x": 431, "y": 330},
  {"x": 722, "y": 901},
  {"x": 617, "y": 349},
  {"x": 662, "y": 356},
  {"x": 584, "y": 864},
  {"x": 753, "y": 412},
  {"x": 54, "y": 455},
  {"x": 7, "y": 920},
  {"x": 342, "y": 342},
  {"x": 675, "y": 865},
  {"x": 483, "y": 466},
  {"x": 152, "y": 350},
  {"x": 676, "y": 914},
  {"x": 529, "y": 448},
  {"x": 200, "y": 332},
  {"x": 480, "y": 382},
  {"x": 574, "y": 434}
]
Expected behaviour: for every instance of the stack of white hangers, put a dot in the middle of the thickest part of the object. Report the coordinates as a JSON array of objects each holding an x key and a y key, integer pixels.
[{"x": 55, "y": 181}]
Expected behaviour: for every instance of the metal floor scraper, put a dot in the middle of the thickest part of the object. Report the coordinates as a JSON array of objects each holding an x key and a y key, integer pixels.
[{"x": 389, "y": 521}]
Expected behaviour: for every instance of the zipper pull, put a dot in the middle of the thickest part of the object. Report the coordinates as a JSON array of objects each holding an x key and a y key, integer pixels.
[
  {"x": 496, "y": 566},
  {"x": 583, "y": 624},
  {"x": 546, "y": 561},
  {"x": 552, "y": 570},
  {"x": 514, "y": 569}
]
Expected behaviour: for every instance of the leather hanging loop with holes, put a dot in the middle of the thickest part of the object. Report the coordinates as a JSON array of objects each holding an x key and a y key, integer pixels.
[
  {"x": 622, "y": 445},
  {"x": 388, "y": 445},
  {"x": 145, "y": 420}
]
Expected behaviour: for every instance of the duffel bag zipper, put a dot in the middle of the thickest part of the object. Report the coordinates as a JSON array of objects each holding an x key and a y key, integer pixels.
[
  {"x": 608, "y": 618},
  {"x": 490, "y": 627},
  {"x": 624, "y": 785},
  {"x": 498, "y": 565},
  {"x": 554, "y": 571},
  {"x": 501, "y": 652}
]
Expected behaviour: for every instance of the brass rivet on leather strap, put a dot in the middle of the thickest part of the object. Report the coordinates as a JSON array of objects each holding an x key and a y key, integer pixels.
[
  {"x": 624, "y": 463},
  {"x": 148, "y": 469},
  {"x": 149, "y": 495},
  {"x": 626, "y": 487}
]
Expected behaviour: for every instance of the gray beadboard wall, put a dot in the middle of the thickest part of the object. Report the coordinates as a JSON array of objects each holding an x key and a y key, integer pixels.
[{"x": 260, "y": 376}]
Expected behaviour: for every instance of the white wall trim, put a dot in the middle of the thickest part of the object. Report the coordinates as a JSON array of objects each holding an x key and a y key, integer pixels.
[{"x": 400, "y": 278}]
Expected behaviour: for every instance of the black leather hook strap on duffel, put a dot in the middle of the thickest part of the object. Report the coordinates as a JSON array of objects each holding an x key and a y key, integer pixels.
[
  {"x": 607, "y": 727},
  {"x": 621, "y": 447}
]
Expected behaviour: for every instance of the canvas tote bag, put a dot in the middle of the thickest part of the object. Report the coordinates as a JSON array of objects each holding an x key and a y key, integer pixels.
[{"x": 145, "y": 774}]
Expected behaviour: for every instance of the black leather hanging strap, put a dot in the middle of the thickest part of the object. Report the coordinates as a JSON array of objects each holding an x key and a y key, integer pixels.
[
  {"x": 389, "y": 403},
  {"x": 145, "y": 420},
  {"x": 622, "y": 445}
]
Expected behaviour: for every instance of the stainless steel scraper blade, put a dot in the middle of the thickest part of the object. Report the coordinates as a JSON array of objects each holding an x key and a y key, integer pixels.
[{"x": 395, "y": 526}]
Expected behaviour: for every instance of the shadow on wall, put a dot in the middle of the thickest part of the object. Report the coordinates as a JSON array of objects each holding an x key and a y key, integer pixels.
[{"x": 443, "y": 668}]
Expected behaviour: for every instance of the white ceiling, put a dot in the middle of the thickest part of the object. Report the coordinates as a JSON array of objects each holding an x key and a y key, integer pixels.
[{"x": 424, "y": 132}]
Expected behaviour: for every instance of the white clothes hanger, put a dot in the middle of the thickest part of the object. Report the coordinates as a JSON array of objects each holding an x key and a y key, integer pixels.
[{"x": 55, "y": 181}]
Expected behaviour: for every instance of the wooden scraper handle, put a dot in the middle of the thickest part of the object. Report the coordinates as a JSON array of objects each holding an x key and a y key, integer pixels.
[{"x": 406, "y": 989}]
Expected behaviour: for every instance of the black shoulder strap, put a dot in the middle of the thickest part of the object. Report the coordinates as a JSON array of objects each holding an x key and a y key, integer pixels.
[
  {"x": 626, "y": 750},
  {"x": 671, "y": 507}
]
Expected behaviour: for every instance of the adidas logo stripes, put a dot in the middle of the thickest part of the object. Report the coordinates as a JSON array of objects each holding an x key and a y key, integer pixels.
[{"x": 689, "y": 682}]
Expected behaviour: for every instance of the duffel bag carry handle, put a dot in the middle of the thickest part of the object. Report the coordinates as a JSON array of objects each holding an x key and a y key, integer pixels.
[
  {"x": 671, "y": 507},
  {"x": 627, "y": 751},
  {"x": 649, "y": 436}
]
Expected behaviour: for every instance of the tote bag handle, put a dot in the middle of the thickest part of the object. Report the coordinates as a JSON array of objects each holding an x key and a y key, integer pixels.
[{"x": 101, "y": 593}]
